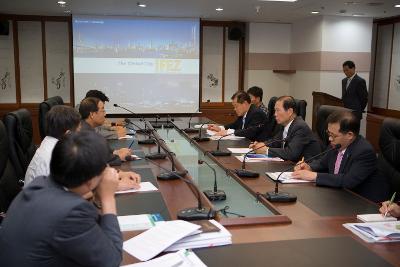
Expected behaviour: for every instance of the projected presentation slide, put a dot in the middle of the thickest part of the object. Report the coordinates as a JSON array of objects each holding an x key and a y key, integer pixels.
[{"x": 148, "y": 65}]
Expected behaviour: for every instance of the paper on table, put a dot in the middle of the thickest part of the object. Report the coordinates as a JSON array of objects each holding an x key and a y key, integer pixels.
[
  {"x": 375, "y": 231},
  {"x": 377, "y": 217},
  {"x": 229, "y": 137},
  {"x": 126, "y": 137},
  {"x": 139, "y": 222},
  {"x": 155, "y": 240},
  {"x": 144, "y": 187},
  {"x": 286, "y": 178},
  {"x": 263, "y": 159},
  {"x": 182, "y": 258},
  {"x": 197, "y": 126},
  {"x": 236, "y": 150}
]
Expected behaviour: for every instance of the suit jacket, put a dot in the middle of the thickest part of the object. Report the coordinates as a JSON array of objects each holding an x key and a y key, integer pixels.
[
  {"x": 300, "y": 142},
  {"x": 355, "y": 97},
  {"x": 358, "y": 171},
  {"x": 253, "y": 128},
  {"x": 47, "y": 225}
]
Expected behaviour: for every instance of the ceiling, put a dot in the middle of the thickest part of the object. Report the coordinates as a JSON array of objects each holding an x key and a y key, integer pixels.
[{"x": 240, "y": 10}]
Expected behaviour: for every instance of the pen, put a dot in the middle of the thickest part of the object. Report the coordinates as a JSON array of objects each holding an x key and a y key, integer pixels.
[{"x": 390, "y": 203}]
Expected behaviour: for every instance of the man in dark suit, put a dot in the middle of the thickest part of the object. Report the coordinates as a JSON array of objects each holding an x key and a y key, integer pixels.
[
  {"x": 299, "y": 139},
  {"x": 50, "y": 223},
  {"x": 352, "y": 166},
  {"x": 250, "y": 119},
  {"x": 354, "y": 90}
]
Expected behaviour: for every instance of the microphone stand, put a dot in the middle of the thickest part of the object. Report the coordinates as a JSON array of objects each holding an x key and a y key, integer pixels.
[
  {"x": 277, "y": 196},
  {"x": 156, "y": 125},
  {"x": 193, "y": 213},
  {"x": 169, "y": 125},
  {"x": 213, "y": 195},
  {"x": 243, "y": 173},
  {"x": 188, "y": 129},
  {"x": 200, "y": 138},
  {"x": 173, "y": 173},
  {"x": 219, "y": 153}
]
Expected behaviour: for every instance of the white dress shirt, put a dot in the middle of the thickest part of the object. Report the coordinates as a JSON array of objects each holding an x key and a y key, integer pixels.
[{"x": 40, "y": 163}]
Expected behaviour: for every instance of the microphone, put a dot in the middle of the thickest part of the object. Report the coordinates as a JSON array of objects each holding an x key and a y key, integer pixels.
[
  {"x": 243, "y": 173},
  {"x": 169, "y": 124},
  {"x": 129, "y": 121},
  {"x": 200, "y": 138},
  {"x": 189, "y": 129},
  {"x": 277, "y": 196},
  {"x": 173, "y": 173},
  {"x": 219, "y": 153},
  {"x": 194, "y": 213},
  {"x": 213, "y": 195}
]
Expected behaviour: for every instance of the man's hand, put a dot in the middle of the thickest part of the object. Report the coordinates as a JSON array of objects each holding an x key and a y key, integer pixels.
[
  {"x": 392, "y": 209},
  {"x": 128, "y": 180},
  {"x": 121, "y": 132},
  {"x": 259, "y": 147},
  {"x": 106, "y": 190},
  {"x": 122, "y": 153},
  {"x": 221, "y": 133},
  {"x": 301, "y": 165},
  {"x": 304, "y": 175},
  {"x": 214, "y": 127}
]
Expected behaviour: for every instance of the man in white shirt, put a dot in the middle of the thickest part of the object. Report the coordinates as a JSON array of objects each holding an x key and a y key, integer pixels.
[{"x": 61, "y": 120}]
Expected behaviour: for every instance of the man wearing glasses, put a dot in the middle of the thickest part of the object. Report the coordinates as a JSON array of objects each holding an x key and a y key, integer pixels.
[{"x": 352, "y": 166}]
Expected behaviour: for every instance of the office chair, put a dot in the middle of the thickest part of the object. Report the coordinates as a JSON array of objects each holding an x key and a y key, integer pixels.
[
  {"x": 44, "y": 107},
  {"x": 301, "y": 108}
]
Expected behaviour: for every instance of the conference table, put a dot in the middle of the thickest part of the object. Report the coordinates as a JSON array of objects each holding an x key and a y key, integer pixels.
[{"x": 308, "y": 232}]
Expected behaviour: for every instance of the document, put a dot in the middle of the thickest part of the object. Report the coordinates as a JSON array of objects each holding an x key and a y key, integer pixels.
[
  {"x": 197, "y": 126},
  {"x": 258, "y": 158},
  {"x": 155, "y": 240},
  {"x": 238, "y": 150},
  {"x": 286, "y": 178},
  {"x": 139, "y": 222},
  {"x": 229, "y": 137},
  {"x": 182, "y": 258},
  {"x": 125, "y": 137},
  {"x": 375, "y": 218},
  {"x": 144, "y": 187},
  {"x": 376, "y": 231}
]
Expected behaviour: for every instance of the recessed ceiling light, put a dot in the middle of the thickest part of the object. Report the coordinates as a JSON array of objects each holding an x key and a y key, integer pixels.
[
  {"x": 358, "y": 14},
  {"x": 397, "y": 5},
  {"x": 141, "y": 5},
  {"x": 314, "y": 12},
  {"x": 67, "y": 11},
  {"x": 61, "y": 2},
  {"x": 219, "y": 9}
]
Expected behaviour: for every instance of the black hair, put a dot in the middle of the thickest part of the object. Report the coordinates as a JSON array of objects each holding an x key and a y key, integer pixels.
[
  {"x": 288, "y": 102},
  {"x": 78, "y": 157},
  {"x": 347, "y": 120},
  {"x": 256, "y": 91},
  {"x": 87, "y": 105},
  {"x": 241, "y": 97},
  {"x": 60, "y": 119},
  {"x": 349, "y": 64},
  {"x": 98, "y": 94}
]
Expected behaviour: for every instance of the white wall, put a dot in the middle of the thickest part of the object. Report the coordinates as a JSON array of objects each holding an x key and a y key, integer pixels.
[
  {"x": 307, "y": 35},
  {"x": 269, "y": 38}
]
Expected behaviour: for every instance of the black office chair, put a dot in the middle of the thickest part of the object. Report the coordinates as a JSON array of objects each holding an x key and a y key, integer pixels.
[
  {"x": 44, "y": 107},
  {"x": 322, "y": 114},
  {"x": 9, "y": 186},
  {"x": 301, "y": 108},
  {"x": 19, "y": 130},
  {"x": 270, "y": 128},
  {"x": 389, "y": 157}
]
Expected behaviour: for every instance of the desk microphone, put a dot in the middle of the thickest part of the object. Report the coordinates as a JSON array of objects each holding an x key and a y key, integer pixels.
[
  {"x": 173, "y": 173},
  {"x": 194, "y": 213},
  {"x": 189, "y": 129},
  {"x": 277, "y": 196},
  {"x": 200, "y": 138},
  {"x": 243, "y": 173},
  {"x": 213, "y": 195},
  {"x": 219, "y": 153},
  {"x": 169, "y": 122}
]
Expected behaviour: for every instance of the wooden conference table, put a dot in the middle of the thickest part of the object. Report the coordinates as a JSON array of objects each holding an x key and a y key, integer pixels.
[{"x": 308, "y": 232}]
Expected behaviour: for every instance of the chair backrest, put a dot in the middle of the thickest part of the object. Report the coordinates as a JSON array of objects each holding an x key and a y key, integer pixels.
[
  {"x": 389, "y": 158},
  {"x": 44, "y": 107},
  {"x": 19, "y": 130},
  {"x": 323, "y": 112},
  {"x": 9, "y": 186},
  {"x": 301, "y": 108},
  {"x": 270, "y": 125}
]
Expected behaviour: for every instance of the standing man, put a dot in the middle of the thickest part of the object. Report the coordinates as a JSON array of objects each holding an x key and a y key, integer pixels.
[
  {"x": 256, "y": 96},
  {"x": 354, "y": 90}
]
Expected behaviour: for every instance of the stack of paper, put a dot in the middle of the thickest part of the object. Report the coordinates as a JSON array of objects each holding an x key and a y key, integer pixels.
[
  {"x": 182, "y": 258},
  {"x": 229, "y": 137},
  {"x": 139, "y": 222},
  {"x": 376, "y": 232},
  {"x": 144, "y": 187},
  {"x": 211, "y": 239},
  {"x": 285, "y": 178},
  {"x": 173, "y": 236},
  {"x": 258, "y": 158},
  {"x": 237, "y": 150},
  {"x": 375, "y": 218}
]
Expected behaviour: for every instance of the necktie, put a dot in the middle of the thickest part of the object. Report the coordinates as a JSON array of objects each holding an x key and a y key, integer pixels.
[
  {"x": 284, "y": 135},
  {"x": 348, "y": 82},
  {"x": 243, "y": 122},
  {"x": 338, "y": 162}
]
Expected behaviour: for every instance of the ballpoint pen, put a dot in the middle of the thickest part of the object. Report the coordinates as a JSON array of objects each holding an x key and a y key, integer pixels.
[{"x": 390, "y": 203}]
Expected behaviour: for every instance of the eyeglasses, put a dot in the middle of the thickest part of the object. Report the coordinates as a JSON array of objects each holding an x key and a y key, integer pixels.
[{"x": 331, "y": 134}]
